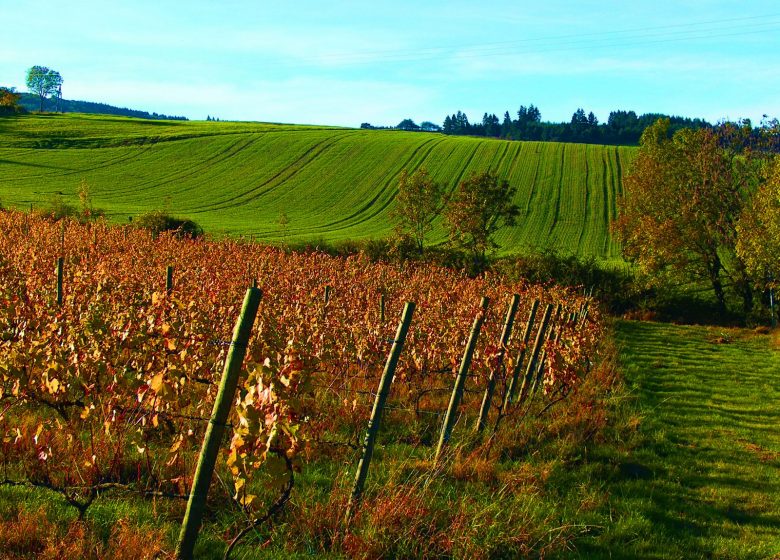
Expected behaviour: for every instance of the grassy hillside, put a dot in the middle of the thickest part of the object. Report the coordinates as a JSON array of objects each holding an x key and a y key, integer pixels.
[{"x": 332, "y": 183}]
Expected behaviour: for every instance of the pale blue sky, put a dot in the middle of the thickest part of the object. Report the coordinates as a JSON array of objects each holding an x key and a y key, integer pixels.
[{"x": 346, "y": 62}]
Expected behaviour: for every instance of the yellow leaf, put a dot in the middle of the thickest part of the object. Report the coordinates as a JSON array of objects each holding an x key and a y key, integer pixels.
[
  {"x": 157, "y": 382},
  {"x": 232, "y": 459},
  {"x": 176, "y": 445},
  {"x": 248, "y": 499}
]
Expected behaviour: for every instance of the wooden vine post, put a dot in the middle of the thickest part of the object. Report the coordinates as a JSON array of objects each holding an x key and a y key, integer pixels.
[
  {"x": 169, "y": 280},
  {"x": 60, "y": 274},
  {"x": 510, "y": 393},
  {"x": 325, "y": 302},
  {"x": 529, "y": 371},
  {"x": 382, "y": 308},
  {"x": 506, "y": 332},
  {"x": 554, "y": 328},
  {"x": 216, "y": 426},
  {"x": 584, "y": 312},
  {"x": 376, "y": 412},
  {"x": 460, "y": 380}
]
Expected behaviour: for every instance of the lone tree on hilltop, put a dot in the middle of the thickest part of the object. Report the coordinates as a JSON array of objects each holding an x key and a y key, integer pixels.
[
  {"x": 480, "y": 206},
  {"x": 43, "y": 82},
  {"x": 418, "y": 201}
]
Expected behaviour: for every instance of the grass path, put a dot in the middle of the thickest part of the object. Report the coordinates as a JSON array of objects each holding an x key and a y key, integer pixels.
[{"x": 703, "y": 481}]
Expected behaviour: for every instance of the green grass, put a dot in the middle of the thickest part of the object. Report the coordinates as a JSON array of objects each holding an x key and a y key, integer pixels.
[
  {"x": 332, "y": 183},
  {"x": 700, "y": 478}
]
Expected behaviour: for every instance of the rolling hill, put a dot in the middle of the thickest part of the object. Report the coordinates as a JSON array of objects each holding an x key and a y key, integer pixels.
[
  {"x": 32, "y": 102},
  {"x": 332, "y": 183}
]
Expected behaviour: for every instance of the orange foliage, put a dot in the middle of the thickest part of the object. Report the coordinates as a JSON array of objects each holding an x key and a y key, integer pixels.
[{"x": 115, "y": 384}]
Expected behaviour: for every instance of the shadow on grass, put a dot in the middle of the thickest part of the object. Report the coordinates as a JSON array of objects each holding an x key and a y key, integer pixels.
[
  {"x": 705, "y": 480},
  {"x": 37, "y": 165}
]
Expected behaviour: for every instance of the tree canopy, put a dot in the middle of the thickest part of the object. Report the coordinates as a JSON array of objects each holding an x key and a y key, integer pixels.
[
  {"x": 408, "y": 124},
  {"x": 43, "y": 82},
  {"x": 480, "y": 206},
  {"x": 9, "y": 101},
  {"x": 758, "y": 232},
  {"x": 418, "y": 201},
  {"x": 684, "y": 195},
  {"x": 622, "y": 127}
]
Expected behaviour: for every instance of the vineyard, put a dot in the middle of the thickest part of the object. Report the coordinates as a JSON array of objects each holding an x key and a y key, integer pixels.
[
  {"x": 113, "y": 343},
  {"x": 330, "y": 183}
]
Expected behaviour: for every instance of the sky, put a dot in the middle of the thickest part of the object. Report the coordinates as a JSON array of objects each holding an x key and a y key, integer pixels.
[{"x": 348, "y": 62}]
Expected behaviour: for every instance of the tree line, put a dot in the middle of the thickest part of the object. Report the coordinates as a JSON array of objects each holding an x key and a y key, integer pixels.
[
  {"x": 621, "y": 128},
  {"x": 406, "y": 124},
  {"x": 28, "y": 102}
]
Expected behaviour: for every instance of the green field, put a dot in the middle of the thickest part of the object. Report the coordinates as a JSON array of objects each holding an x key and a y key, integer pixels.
[{"x": 332, "y": 183}]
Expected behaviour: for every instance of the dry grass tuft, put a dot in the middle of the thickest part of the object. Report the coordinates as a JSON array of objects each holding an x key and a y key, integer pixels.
[{"x": 30, "y": 534}]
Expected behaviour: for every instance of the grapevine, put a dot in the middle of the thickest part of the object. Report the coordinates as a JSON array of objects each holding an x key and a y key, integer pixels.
[{"x": 112, "y": 388}]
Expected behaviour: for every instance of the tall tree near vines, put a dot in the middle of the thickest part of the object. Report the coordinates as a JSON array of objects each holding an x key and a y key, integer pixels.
[
  {"x": 417, "y": 204},
  {"x": 480, "y": 206},
  {"x": 758, "y": 229},
  {"x": 684, "y": 195}
]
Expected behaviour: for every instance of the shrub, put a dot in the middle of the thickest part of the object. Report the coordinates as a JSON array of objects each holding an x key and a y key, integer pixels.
[
  {"x": 57, "y": 209},
  {"x": 615, "y": 286},
  {"x": 158, "y": 222}
]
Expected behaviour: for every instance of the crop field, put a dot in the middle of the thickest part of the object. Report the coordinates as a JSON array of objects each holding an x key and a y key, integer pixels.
[{"x": 331, "y": 183}]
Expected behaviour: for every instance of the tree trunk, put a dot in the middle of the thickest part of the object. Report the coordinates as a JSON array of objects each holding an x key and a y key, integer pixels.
[
  {"x": 714, "y": 268},
  {"x": 747, "y": 298},
  {"x": 717, "y": 285},
  {"x": 744, "y": 287}
]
